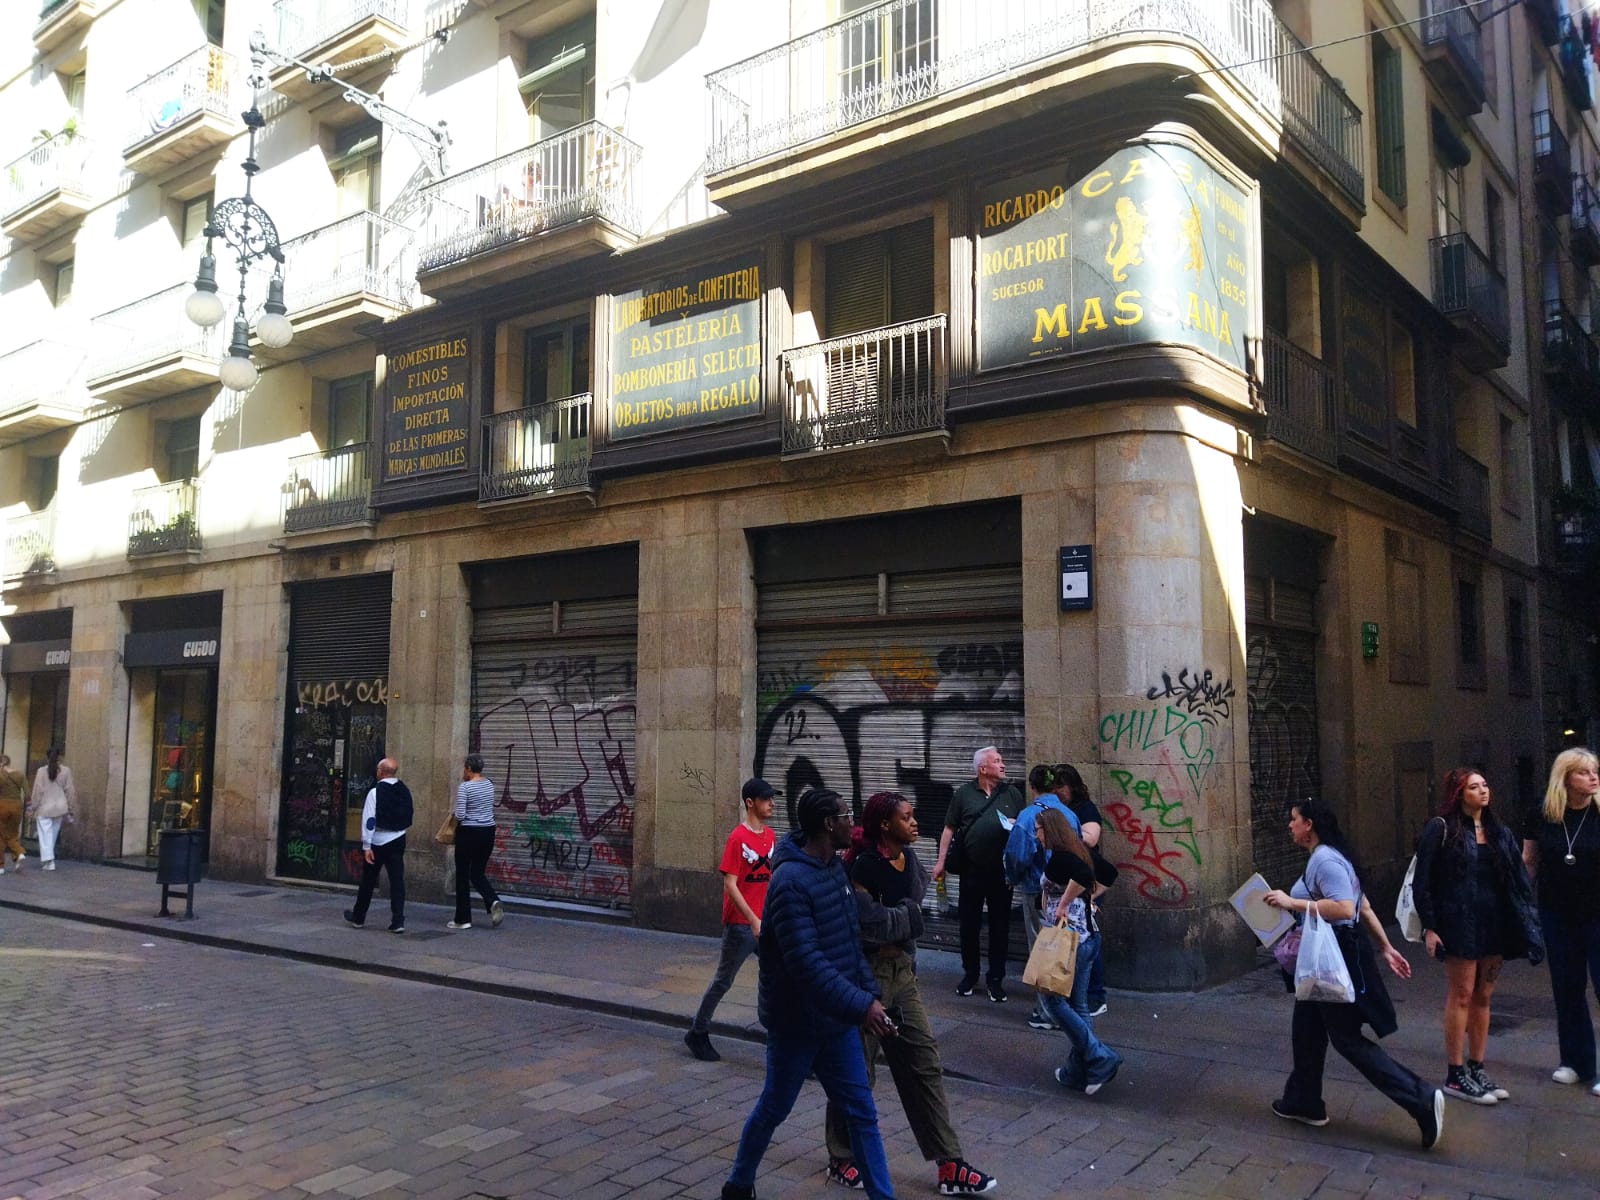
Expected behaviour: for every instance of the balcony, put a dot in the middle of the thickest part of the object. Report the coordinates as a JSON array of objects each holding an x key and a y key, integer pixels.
[
  {"x": 1571, "y": 356},
  {"x": 1471, "y": 292},
  {"x": 541, "y": 450},
  {"x": 47, "y": 188},
  {"x": 908, "y": 74},
  {"x": 31, "y": 544},
  {"x": 328, "y": 489},
  {"x": 569, "y": 196},
  {"x": 1573, "y": 53},
  {"x": 1577, "y": 538},
  {"x": 866, "y": 387},
  {"x": 361, "y": 268},
  {"x": 1472, "y": 496},
  {"x": 1546, "y": 19},
  {"x": 165, "y": 519},
  {"x": 1452, "y": 53},
  {"x": 60, "y": 20},
  {"x": 1301, "y": 404},
  {"x": 336, "y": 32},
  {"x": 41, "y": 388},
  {"x": 1583, "y": 226},
  {"x": 1552, "y": 164},
  {"x": 151, "y": 348},
  {"x": 182, "y": 112}
]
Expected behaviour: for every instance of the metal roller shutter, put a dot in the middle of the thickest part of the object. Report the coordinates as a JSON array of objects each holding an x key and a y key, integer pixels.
[
  {"x": 553, "y": 704},
  {"x": 339, "y": 628},
  {"x": 889, "y": 683}
]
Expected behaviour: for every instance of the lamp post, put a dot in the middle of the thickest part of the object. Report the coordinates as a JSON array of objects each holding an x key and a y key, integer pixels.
[{"x": 247, "y": 229}]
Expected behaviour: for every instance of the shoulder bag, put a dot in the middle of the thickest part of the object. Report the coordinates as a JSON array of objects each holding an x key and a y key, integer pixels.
[
  {"x": 1405, "y": 906},
  {"x": 955, "y": 857},
  {"x": 446, "y": 836}
]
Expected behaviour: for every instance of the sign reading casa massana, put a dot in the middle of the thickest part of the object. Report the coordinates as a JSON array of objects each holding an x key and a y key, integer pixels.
[
  {"x": 426, "y": 423},
  {"x": 1152, "y": 245},
  {"x": 686, "y": 351}
]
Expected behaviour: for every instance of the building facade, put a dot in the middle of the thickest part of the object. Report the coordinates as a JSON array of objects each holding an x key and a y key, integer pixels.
[{"x": 822, "y": 390}]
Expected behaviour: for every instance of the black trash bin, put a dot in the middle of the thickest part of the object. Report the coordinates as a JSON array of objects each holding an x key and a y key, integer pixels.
[{"x": 180, "y": 863}]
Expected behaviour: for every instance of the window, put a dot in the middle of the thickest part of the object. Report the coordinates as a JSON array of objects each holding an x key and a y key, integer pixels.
[
  {"x": 1407, "y": 643},
  {"x": 556, "y": 359},
  {"x": 349, "y": 406},
  {"x": 1388, "y": 119},
  {"x": 180, "y": 449},
  {"x": 192, "y": 223},
  {"x": 210, "y": 14},
  {"x": 1519, "y": 678},
  {"x": 1471, "y": 669},
  {"x": 75, "y": 86},
  {"x": 886, "y": 61},
  {"x": 1494, "y": 226},
  {"x": 40, "y": 477},
  {"x": 1491, "y": 59},
  {"x": 61, "y": 283},
  {"x": 880, "y": 279},
  {"x": 1449, "y": 195},
  {"x": 1511, "y": 485},
  {"x": 559, "y": 85},
  {"x": 1403, "y": 374},
  {"x": 356, "y": 165}
]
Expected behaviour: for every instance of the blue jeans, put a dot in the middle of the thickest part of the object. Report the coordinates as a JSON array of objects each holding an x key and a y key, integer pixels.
[
  {"x": 841, "y": 1068},
  {"x": 1572, "y": 944},
  {"x": 1097, "y": 977},
  {"x": 1091, "y": 1061},
  {"x": 738, "y": 944}
]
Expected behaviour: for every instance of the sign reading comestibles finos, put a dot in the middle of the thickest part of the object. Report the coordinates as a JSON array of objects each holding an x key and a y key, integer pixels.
[
  {"x": 427, "y": 419},
  {"x": 1151, "y": 245},
  {"x": 686, "y": 351}
]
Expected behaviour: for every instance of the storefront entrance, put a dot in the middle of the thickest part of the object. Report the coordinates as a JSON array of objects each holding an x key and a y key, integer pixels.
[{"x": 180, "y": 783}]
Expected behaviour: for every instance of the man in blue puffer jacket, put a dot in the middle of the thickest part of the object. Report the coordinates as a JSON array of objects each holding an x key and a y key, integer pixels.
[{"x": 816, "y": 992}]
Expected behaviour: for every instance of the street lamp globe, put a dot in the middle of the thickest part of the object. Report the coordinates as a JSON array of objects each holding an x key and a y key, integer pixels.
[
  {"x": 236, "y": 371},
  {"x": 204, "y": 307},
  {"x": 274, "y": 327}
]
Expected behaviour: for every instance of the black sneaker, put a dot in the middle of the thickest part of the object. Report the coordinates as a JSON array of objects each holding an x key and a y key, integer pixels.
[
  {"x": 397, "y": 927},
  {"x": 700, "y": 1046},
  {"x": 350, "y": 918},
  {"x": 1431, "y": 1122},
  {"x": 968, "y": 982},
  {"x": 733, "y": 1192},
  {"x": 845, "y": 1174},
  {"x": 997, "y": 991},
  {"x": 1288, "y": 1114},
  {"x": 1041, "y": 1020},
  {"x": 958, "y": 1177},
  {"x": 1461, "y": 1084},
  {"x": 1475, "y": 1069}
]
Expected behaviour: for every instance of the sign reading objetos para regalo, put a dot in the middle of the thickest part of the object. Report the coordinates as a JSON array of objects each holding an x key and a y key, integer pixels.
[
  {"x": 427, "y": 420},
  {"x": 1151, "y": 245},
  {"x": 686, "y": 351}
]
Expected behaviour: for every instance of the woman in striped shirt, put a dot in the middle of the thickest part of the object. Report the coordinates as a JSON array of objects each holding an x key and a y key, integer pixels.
[{"x": 474, "y": 809}]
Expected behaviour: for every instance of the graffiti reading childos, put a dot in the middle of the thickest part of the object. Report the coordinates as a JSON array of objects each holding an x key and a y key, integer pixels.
[
  {"x": 1211, "y": 702},
  {"x": 1148, "y": 729},
  {"x": 335, "y": 693}
]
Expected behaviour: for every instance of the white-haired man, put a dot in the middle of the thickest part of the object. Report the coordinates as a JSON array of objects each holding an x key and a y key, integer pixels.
[{"x": 974, "y": 831}]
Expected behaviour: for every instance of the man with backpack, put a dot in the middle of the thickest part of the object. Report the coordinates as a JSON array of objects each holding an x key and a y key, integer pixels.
[{"x": 384, "y": 820}]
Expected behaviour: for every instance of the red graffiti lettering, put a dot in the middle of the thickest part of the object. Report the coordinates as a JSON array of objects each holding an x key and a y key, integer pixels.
[{"x": 1157, "y": 883}]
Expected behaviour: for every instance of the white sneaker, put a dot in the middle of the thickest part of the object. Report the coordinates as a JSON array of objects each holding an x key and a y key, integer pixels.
[
  {"x": 2, "y": 870},
  {"x": 1564, "y": 1075},
  {"x": 453, "y": 925},
  {"x": 1595, "y": 1090},
  {"x": 50, "y": 866}
]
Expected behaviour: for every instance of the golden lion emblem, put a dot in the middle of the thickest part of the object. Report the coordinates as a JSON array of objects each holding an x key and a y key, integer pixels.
[{"x": 1128, "y": 232}]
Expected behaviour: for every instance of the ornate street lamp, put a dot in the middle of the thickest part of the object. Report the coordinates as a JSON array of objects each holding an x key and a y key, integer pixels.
[{"x": 247, "y": 229}]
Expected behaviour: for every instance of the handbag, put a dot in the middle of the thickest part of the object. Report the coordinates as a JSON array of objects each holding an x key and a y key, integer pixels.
[
  {"x": 1287, "y": 949},
  {"x": 1053, "y": 961},
  {"x": 446, "y": 836},
  {"x": 1320, "y": 972}
]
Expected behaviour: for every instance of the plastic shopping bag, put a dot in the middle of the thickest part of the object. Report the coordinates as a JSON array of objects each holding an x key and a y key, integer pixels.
[
  {"x": 1405, "y": 908},
  {"x": 1319, "y": 972}
]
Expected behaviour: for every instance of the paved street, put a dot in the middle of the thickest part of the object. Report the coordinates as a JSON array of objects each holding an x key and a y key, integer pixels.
[{"x": 141, "y": 1066}]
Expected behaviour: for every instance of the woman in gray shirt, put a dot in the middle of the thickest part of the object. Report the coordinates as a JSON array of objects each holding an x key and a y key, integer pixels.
[{"x": 474, "y": 809}]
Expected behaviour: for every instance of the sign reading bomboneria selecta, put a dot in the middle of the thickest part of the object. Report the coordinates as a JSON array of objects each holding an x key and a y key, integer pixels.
[
  {"x": 1151, "y": 245},
  {"x": 426, "y": 422},
  {"x": 686, "y": 351}
]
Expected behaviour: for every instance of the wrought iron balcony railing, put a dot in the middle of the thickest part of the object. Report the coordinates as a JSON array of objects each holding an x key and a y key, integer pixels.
[
  {"x": 1552, "y": 161},
  {"x": 305, "y": 24},
  {"x": 1469, "y": 289},
  {"x": 1472, "y": 496},
  {"x": 328, "y": 489},
  {"x": 1452, "y": 27},
  {"x": 587, "y": 171},
  {"x": 363, "y": 253},
  {"x": 41, "y": 372},
  {"x": 541, "y": 449},
  {"x": 60, "y": 164},
  {"x": 1302, "y": 407},
  {"x": 901, "y": 52},
  {"x": 1573, "y": 54},
  {"x": 201, "y": 82},
  {"x": 31, "y": 544},
  {"x": 1571, "y": 355},
  {"x": 165, "y": 519},
  {"x": 1583, "y": 228},
  {"x": 148, "y": 331},
  {"x": 866, "y": 387}
]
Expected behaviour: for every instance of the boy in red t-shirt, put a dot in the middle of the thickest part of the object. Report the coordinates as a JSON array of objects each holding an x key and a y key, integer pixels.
[{"x": 746, "y": 869}]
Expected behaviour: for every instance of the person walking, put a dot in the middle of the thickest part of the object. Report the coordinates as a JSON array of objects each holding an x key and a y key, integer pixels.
[
  {"x": 1024, "y": 859},
  {"x": 890, "y": 883},
  {"x": 972, "y": 846},
  {"x": 816, "y": 992},
  {"x": 1473, "y": 897},
  {"x": 385, "y": 817},
  {"x": 1067, "y": 896},
  {"x": 52, "y": 798},
  {"x": 1071, "y": 788},
  {"x": 11, "y": 799},
  {"x": 746, "y": 870},
  {"x": 1332, "y": 887},
  {"x": 1561, "y": 849},
  {"x": 474, "y": 809}
]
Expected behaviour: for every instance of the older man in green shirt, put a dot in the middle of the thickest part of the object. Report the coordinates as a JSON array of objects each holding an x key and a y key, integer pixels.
[{"x": 973, "y": 824}]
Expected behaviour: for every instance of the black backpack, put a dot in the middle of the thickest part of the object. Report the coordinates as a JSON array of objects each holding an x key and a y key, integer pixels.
[{"x": 393, "y": 806}]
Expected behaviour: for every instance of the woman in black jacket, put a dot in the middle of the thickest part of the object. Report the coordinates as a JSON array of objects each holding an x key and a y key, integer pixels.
[{"x": 1476, "y": 906}]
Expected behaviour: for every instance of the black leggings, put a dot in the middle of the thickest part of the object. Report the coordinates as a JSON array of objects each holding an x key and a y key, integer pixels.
[{"x": 474, "y": 844}]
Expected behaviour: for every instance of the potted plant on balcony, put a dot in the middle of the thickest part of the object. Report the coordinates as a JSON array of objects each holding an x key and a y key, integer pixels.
[{"x": 179, "y": 533}]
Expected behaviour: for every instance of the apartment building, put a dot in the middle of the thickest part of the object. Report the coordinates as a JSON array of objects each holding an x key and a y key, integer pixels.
[{"x": 818, "y": 389}]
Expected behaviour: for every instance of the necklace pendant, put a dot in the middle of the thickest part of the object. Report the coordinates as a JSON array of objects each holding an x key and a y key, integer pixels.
[{"x": 1571, "y": 860}]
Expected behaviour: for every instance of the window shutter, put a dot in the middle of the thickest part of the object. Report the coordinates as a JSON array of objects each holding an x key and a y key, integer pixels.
[{"x": 856, "y": 286}]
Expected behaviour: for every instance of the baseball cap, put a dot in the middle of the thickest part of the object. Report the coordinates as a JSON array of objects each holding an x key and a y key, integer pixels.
[{"x": 757, "y": 789}]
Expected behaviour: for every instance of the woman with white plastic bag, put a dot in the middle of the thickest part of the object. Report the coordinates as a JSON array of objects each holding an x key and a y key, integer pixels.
[{"x": 1329, "y": 894}]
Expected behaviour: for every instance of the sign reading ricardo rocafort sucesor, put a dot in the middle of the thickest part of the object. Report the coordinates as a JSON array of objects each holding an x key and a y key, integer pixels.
[
  {"x": 686, "y": 351},
  {"x": 1152, "y": 245},
  {"x": 427, "y": 421}
]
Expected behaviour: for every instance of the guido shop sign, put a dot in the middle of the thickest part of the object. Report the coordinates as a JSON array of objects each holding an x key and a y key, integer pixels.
[
  {"x": 1151, "y": 245},
  {"x": 686, "y": 351}
]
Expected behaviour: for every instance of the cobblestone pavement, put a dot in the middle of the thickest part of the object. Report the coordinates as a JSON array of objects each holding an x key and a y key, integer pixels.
[{"x": 140, "y": 1067}]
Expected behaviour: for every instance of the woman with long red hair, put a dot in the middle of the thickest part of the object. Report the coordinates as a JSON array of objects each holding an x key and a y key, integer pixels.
[{"x": 1476, "y": 906}]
